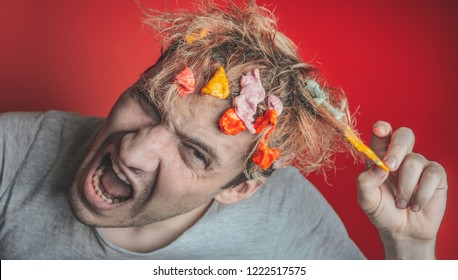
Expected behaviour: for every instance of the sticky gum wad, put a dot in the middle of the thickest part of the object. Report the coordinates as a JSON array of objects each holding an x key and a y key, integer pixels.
[
  {"x": 230, "y": 123},
  {"x": 265, "y": 156},
  {"x": 185, "y": 81},
  {"x": 218, "y": 85},
  {"x": 361, "y": 147},
  {"x": 261, "y": 123},
  {"x": 191, "y": 38}
]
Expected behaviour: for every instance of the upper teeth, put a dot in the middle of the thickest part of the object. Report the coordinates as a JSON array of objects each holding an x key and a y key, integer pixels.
[{"x": 118, "y": 172}]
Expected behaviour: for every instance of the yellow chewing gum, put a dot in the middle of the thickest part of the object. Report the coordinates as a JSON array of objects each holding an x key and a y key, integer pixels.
[
  {"x": 191, "y": 38},
  {"x": 218, "y": 85},
  {"x": 361, "y": 147}
]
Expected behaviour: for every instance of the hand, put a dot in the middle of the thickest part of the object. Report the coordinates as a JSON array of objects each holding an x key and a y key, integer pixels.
[{"x": 408, "y": 203}]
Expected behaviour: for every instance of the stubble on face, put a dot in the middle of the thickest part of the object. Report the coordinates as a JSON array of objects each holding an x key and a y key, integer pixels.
[{"x": 149, "y": 207}]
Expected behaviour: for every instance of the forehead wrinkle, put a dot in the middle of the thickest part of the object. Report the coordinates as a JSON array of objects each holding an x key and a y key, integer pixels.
[{"x": 209, "y": 105}]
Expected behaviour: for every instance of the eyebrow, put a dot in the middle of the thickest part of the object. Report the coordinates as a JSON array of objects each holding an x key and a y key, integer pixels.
[{"x": 211, "y": 151}]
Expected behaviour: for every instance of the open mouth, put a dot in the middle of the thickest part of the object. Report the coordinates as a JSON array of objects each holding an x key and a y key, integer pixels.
[{"x": 110, "y": 183}]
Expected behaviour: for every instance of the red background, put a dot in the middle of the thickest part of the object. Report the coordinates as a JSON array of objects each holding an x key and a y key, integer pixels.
[{"x": 396, "y": 60}]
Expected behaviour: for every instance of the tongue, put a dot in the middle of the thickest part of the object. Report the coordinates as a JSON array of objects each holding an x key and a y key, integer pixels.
[{"x": 114, "y": 186}]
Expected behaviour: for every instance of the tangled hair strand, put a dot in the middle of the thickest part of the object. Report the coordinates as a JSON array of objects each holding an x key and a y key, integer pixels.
[{"x": 243, "y": 38}]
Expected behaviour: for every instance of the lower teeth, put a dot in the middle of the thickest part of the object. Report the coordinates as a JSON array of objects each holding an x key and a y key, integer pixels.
[{"x": 96, "y": 182}]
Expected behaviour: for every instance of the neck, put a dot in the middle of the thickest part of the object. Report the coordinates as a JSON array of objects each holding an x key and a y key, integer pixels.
[{"x": 154, "y": 236}]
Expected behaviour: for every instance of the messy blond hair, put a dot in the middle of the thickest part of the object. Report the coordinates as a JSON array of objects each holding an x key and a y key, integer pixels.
[{"x": 243, "y": 38}]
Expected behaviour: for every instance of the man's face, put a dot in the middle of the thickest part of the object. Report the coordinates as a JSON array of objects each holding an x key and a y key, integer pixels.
[{"x": 143, "y": 169}]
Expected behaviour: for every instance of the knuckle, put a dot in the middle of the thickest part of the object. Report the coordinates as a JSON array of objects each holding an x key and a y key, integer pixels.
[
  {"x": 413, "y": 161},
  {"x": 404, "y": 193},
  {"x": 363, "y": 180},
  {"x": 360, "y": 180},
  {"x": 437, "y": 168},
  {"x": 436, "y": 172},
  {"x": 432, "y": 174},
  {"x": 367, "y": 206}
]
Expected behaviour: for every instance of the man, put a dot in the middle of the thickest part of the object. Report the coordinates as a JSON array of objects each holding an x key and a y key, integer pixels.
[{"x": 166, "y": 177}]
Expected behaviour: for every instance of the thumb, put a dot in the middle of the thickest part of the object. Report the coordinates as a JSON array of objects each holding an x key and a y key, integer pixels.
[{"x": 368, "y": 183}]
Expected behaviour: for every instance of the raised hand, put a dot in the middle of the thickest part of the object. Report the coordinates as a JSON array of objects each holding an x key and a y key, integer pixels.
[{"x": 407, "y": 204}]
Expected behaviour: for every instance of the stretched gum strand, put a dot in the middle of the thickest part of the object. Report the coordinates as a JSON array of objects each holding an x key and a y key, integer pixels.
[{"x": 361, "y": 147}]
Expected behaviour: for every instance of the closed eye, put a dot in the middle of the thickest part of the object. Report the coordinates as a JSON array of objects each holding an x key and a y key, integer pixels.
[
  {"x": 195, "y": 157},
  {"x": 198, "y": 155},
  {"x": 204, "y": 151}
]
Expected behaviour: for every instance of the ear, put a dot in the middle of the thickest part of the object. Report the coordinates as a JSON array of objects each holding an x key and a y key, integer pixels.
[{"x": 238, "y": 193}]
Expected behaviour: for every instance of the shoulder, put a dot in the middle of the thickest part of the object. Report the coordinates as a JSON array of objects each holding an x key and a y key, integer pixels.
[
  {"x": 287, "y": 218},
  {"x": 57, "y": 128},
  {"x": 305, "y": 222},
  {"x": 59, "y": 118},
  {"x": 20, "y": 122},
  {"x": 288, "y": 188},
  {"x": 21, "y": 132},
  {"x": 28, "y": 123},
  {"x": 17, "y": 132}
]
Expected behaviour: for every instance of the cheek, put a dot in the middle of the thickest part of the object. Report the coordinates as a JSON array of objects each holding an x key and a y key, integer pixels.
[{"x": 178, "y": 181}]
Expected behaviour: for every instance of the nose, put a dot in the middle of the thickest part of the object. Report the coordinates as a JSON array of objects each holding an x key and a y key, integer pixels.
[{"x": 144, "y": 149}]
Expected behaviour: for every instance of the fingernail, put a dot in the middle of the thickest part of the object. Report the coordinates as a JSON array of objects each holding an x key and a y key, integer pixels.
[
  {"x": 391, "y": 162},
  {"x": 378, "y": 171},
  {"x": 381, "y": 128},
  {"x": 401, "y": 204},
  {"x": 415, "y": 207}
]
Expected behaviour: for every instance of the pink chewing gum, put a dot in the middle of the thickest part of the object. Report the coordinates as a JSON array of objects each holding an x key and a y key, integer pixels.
[
  {"x": 251, "y": 94},
  {"x": 185, "y": 81},
  {"x": 274, "y": 103}
]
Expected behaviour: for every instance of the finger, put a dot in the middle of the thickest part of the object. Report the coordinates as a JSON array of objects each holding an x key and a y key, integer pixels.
[
  {"x": 381, "y": 136},
  {"x": 401, "y": 144},
  {"x": 432, "y": 179},
  {"x": 368, "y": 183},
  {"x": 409, "y": 175}
]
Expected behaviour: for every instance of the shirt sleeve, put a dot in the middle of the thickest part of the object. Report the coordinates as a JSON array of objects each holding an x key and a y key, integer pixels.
[{"x": 17, "y": 132}]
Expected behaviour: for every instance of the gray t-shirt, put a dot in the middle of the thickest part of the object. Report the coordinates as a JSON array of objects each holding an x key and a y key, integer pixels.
[{"x": 40, "y": 153}]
